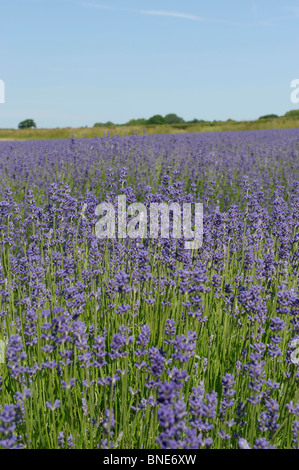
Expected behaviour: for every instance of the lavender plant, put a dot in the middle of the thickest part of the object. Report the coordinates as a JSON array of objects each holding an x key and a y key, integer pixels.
[{"x": 140, "y": 343}]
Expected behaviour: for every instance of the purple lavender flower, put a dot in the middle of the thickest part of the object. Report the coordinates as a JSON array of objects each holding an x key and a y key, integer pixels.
[{"x": 53, "y": 406}]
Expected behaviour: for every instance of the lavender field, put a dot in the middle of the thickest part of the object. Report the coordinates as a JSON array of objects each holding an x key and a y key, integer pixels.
[{"x": 140, "y": 343}]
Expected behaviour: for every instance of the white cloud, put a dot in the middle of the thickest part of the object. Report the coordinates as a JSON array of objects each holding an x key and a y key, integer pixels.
[
  {"x": 186, "y": 16},
  {"x": 173, "y": 14}
]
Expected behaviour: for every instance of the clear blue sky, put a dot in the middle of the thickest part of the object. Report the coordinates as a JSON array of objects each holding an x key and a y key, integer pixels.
[{"x": 72, "y": 62}]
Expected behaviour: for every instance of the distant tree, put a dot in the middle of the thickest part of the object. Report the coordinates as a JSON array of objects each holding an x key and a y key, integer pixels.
[
  {"x": 199, "y": 121},
  {"x": 269, "y": 116},
  {"x": 157, "y": 119},
  {"x": 136, "y": 122},
  {"x": 27, "y": 124},
  {"x": 173, "y": 119},
  {"x": 104, "y": 124},
  {"x": 292, "y": 114}
]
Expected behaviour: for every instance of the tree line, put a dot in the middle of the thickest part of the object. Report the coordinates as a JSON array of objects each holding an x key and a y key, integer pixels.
[{"x": 157, "y": 119}]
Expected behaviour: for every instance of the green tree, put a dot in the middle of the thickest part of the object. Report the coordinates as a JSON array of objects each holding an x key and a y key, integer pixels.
[
  {"x": 157, "y": 119},
  {"x": 292, "y": 114},
  {"x": 104, "y": 124},
  {"x": 27, "y": 124},
  {"x": 269, "y": 116},
  {"x": 173, "y": 119},
  {"x": 136, "y": 122}
]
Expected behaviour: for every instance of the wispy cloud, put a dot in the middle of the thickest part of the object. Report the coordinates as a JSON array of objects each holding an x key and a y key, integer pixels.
[
  {"x": 187, "y": 16},
  {"x": 173, "y": 14}
]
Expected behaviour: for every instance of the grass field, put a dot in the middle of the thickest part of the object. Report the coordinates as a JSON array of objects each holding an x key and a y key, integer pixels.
[{"x": 67, "y": 133}]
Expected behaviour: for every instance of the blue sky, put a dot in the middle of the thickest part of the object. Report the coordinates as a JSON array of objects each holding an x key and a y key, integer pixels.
[{"x": 73, "y": 63}]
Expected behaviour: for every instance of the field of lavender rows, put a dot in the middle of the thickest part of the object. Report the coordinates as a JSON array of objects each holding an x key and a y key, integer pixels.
[{"x": 140, "y": 343}]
